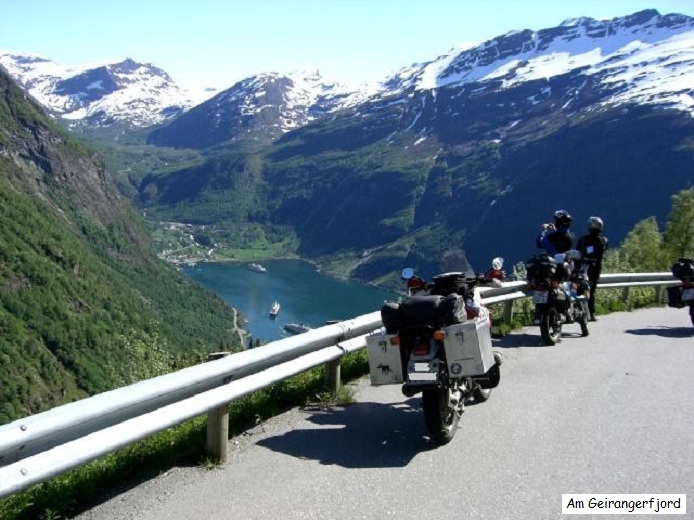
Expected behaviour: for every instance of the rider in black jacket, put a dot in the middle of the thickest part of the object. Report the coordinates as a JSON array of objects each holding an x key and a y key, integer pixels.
[
  {"x": 557, "y": 238},
  {"x": 592, "y": 247}
]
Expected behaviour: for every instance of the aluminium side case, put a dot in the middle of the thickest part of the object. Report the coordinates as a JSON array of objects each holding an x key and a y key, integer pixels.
[
  {"x": 468, "y": 347},
  {"x": 385, "y": 364}
]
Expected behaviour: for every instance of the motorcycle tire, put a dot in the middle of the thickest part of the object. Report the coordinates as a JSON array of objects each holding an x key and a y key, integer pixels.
[
  {"x": 481, "y": 394},
  {"x": 440, "y": 417},
  {"x": 691, "y": 313},
  {"x": 550, "y": 326}
]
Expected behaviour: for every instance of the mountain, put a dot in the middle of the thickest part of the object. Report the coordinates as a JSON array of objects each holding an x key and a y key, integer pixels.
[
  {"x": 260, "y": 108},
  {"x": 644, "y": 58},
  {"x": 125, "y": 95},
  {"x": 85, "y": 305},
  {"x": 471, "y": 150}
]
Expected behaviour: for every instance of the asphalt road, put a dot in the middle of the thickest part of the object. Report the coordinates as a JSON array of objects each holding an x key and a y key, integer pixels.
[{"x": 610, "y": 413}]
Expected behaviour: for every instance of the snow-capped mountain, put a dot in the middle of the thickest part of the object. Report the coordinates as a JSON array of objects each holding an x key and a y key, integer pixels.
[
  {"x": 581, "y": 65},
  {"x": 127, "y": 93},
  {"x": 644, "y": 58},
  {"x": 260, "y": 107}
]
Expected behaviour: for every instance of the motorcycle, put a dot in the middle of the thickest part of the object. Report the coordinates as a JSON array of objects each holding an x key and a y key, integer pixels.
[
  {"x": 560, "y": 293},
  {"x": 683, "y": 295},
  {"x": 437, "y": 341}
]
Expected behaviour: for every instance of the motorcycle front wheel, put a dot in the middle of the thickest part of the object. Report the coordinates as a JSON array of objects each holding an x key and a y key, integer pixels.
[
  {"x": 441, "y": 418},
  {"x": 583, "y": 321},
  {"x": 550, "y": 326}
]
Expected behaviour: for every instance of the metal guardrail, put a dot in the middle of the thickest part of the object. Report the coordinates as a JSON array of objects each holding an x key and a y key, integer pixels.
[{"x": 42, "y": 446}]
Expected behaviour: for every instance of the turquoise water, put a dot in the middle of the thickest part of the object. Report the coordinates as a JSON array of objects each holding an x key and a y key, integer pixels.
[{"x": 305, "y": 295}]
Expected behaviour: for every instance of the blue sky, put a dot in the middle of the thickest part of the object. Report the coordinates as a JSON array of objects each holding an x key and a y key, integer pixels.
[{"x": 214, "y": 43}]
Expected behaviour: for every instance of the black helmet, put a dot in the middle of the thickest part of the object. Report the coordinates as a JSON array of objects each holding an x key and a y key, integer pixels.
[
  {"x": 562, "y": 219},
  {"x": 595, "y": 223}
]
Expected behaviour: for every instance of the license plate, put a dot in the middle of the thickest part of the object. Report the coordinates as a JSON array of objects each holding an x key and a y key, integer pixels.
[
  {"x": 422, "y": 372},
  {"x": 540, "y": 296},
  {"x": 422, "y": 376},
  {"x": 688, "y": 295}
]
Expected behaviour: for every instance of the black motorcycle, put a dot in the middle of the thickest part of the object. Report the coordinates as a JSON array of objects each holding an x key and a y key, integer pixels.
[
  {"x": 437, "y": 341},
  {"x": 683, "y": 295},
  {"x": 560, "y": 291}
]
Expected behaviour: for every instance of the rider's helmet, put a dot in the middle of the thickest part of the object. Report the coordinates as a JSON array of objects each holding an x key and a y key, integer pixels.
[
  {"x": 595, "y": 223},
  {"x": 562, "y": 219}
]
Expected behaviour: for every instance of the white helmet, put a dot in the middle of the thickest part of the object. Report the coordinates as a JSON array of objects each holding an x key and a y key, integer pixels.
[
  {"x": 595, "y": 223},
  {"x": 497, "y": 263}
]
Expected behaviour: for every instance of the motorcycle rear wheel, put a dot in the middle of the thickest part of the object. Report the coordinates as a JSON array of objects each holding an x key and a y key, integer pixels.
[
  {"x": 440, "y": 417},
  {"x": 550, "y": 326}
]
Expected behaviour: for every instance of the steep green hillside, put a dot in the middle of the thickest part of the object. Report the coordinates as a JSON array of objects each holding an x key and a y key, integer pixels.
[
  {"x": 84, "y": 304},
  {"x": 366, "y": 195}
]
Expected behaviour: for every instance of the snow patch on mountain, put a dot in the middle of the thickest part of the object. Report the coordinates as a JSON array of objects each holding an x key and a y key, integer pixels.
[
  {"x": 137, "y": 94},
  {"x": 643, "y": 58}
]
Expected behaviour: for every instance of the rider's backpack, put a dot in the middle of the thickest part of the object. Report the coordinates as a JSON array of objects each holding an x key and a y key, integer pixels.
[
  {"x": 391, "y": 317},
  {"x": 540, "y": 267},
  {"x": 432, "y": 310}
]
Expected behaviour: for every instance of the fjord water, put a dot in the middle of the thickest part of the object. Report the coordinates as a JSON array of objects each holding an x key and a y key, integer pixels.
[{"x": 305, "y": 295}]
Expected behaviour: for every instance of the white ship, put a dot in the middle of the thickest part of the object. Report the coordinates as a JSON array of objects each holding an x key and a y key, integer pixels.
[
  {"x": 257, "y": 268},
  {"x": 296, "y": 328},
  {"x": 275, "y": 309}
]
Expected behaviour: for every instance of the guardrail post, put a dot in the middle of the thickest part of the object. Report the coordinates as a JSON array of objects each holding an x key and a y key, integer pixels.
[
  {"x": 658, "y": 294},
  {"x": 508, "y": 311},
  {"x": 218, "y": 424},
  {"x": 332, "y": 375},
  {"x": 625, "y": 294}
]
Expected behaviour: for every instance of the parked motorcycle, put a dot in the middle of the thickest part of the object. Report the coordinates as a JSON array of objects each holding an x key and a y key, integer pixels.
[
  {"x": 437, "y": 341},
  {"x": 683, "y": 295},
  {"x": 560, "y": 293}
]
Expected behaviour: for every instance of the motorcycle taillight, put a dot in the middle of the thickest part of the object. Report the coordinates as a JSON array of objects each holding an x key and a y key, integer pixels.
[{"x": 421, "y": 347}]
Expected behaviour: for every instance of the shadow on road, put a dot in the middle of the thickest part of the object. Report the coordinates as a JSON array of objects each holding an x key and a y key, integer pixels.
[
  {"x": 365, "y": 435},
  {"x": 665, "y": 332},
  {"x": 517, "y": 340}
]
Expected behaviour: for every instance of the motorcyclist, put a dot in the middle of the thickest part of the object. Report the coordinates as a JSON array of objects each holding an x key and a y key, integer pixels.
[
  {"x": 592, "y": 247},
  {"x": 557, "y": 237},
  {"x": 495, "y": 275}
]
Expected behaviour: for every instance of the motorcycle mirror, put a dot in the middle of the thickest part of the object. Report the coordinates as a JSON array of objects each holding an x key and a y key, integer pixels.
[{"x": 407, "y": 273}]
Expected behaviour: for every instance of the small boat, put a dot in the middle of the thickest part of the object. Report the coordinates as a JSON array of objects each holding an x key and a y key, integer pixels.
[
  {"x": 274, "y": 309},
  {"x": 296, "y": 328},
  {"x": 257, "y": 268}
]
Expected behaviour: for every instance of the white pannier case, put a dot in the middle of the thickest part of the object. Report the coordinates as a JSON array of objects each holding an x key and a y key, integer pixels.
[
  {"x": 469, "y": 347},
  {"x": 385, "y": 365}
]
